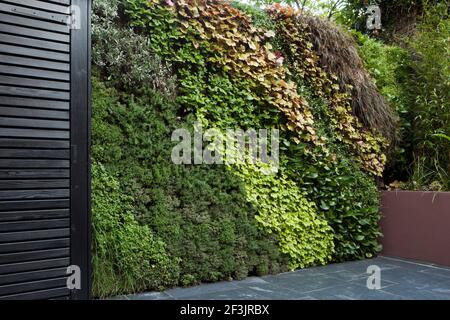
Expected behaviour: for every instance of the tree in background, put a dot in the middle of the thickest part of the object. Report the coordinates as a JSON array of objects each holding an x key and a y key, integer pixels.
[
  {"x": 325, "y": 8},
  {"x": 430, "y": 90},
  {"x": 413, "y": 72},
  {"x": 397, "y": 16}
]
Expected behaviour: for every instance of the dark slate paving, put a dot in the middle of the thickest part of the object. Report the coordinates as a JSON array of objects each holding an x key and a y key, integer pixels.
[
  {"x": 400, "y": 280},
  {"x": 150, "y": 296},
  {"x": 208, "y": 288},
  {"x": 352, "y": 292}
]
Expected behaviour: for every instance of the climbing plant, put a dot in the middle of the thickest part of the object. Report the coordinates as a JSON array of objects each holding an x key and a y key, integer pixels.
[{"x": 297, "y": 46}]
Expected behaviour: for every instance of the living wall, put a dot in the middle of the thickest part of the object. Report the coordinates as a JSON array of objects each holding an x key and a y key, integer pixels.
[{"x": 165, "y": 65}]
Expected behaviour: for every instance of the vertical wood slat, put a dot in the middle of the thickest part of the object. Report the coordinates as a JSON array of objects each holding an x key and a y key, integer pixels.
[{"x": 80, "y": 118}]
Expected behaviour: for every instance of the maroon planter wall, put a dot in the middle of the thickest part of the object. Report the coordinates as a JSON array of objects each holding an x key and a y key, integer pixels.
[{"x": 416, "y": 225}]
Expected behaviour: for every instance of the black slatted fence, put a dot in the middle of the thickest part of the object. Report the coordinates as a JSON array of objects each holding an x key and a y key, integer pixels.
[{"x": 44, "y": 116}]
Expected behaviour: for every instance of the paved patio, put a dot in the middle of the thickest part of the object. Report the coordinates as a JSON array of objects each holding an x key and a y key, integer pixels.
[{"x": 400, "y": 280}]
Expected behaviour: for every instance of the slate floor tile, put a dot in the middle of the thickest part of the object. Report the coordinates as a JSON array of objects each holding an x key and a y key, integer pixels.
[
  {"x": 411, "y": 265},
  {"x": 277, "y": 292},
  {"x": 362, "y": 282},
  {"x": 235, "y": 294},
  {"x": 206, "y": 288},
  {"x": 345, "y": 275},
  {"x": 439, "y": 272},
  {"x": 415, "y": 279},
  {"x": 400, "y": 279},
  {"x": 250, "y": 280},
  {"x": 150, "y": 296},
  {"x": 306, "y": 284},
  {"x": 349, "y": 292},
  {"x": 442, "y": 290},
  {"x": 123, "y": 297},
  {"x": 360, "y": 267},
  {"x": 414, "y": 293}
]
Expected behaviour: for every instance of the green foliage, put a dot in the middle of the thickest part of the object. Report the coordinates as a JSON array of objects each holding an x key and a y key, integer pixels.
[
  {"x": 368, "y": 145},
  {"x": 345, "y": 195},
  {"x": 195, "y": 223},
  {"x": 213, "y": 86},
  {"x": 386, "y": 64},
  {"x": 229, "y": 103},
  {"x": 199, "y": 212},
  {"x": 229, "y": 89},
  {"x": 349, "y": 201},
  {"x": 260, "y": 18},
  {"x": 122, "y": 55},
  {"x": 430, "y": 89},
  {"x": 389, "y": 66},
  {"x": 395, "y": 14},
  {"x": 126, "y": 256},
  {"x": 443, "y": 136},
  {"x": 416, "y": 82},
  {"x": 284, "y": 210},
  {"x": 188, "y": 37}
]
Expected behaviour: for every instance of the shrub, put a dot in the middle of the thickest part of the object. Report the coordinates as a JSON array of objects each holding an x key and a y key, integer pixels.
[
  {"x": 349, "y": 201},
  {"x": 122, "y": 55},
  {"x": 126, "y": 256},
  {"x": 416, "y": 82},
  {"x": 185, "y": 34},
  {"x": 430, "y": 89},
  {"x": 397, "y": 16},
  {"x": 345, "y": 196},
  {"x": 389, "y": 66}
]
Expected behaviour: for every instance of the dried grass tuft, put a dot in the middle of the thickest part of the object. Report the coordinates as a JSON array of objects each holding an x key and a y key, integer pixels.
[{"x": 339, "y": 56}]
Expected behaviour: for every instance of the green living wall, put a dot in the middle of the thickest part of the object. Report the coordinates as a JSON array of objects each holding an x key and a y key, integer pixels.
[{"x": 162, "y": 66}]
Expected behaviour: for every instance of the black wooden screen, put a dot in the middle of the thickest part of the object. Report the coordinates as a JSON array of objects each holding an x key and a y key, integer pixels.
[{"x": 44, "y": 158}]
